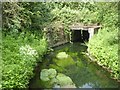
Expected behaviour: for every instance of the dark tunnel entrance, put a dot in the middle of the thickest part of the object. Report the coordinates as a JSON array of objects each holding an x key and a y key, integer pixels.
[
  {"x": 80, "y": 36},
  {"x": 85, "y": 35}
]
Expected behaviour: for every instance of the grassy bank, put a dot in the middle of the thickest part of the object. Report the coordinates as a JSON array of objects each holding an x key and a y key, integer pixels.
[
  {"x": 104, "y": 46},
  {"x": 20, "y": 56}
]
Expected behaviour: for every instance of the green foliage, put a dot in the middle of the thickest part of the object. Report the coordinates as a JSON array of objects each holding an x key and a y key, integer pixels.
[
  {"x": 106, "y": 49},
  {"x": 67, "y": 14},
  {"x": 40, "y": 15},
  {"x": 14, "y": 18},
  {"x": 104, "y": 45},
  {"x": 23, "y": 25},
  {"x": 19, "y": 59},
  {"x": 18, "y": 17}
]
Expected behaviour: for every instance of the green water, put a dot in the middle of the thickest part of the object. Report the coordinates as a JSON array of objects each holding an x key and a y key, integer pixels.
[{"x": 83, "y": 72}]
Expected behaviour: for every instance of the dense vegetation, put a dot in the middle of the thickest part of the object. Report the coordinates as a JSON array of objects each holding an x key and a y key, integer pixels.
[
  {"x": 104, "y": 45},
  {"x": 22, "y": 47},
  {"x": 20, "y": 56},
  {"x": 29, "y": 26}
]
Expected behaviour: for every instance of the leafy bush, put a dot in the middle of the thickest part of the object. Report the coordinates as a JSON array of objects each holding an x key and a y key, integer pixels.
[
  {"x": 104, "y": 45},
  {"x": 106, "y": 50},
  {"x": 20, "y": 56}
]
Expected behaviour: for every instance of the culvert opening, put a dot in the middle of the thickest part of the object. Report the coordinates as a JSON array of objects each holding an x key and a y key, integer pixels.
[
  {"x": 80, "y": 36},
  {"x": 85, "y": 35}
]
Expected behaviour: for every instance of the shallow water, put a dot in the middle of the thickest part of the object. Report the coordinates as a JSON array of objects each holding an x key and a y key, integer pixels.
[{"x": 83, "y": 72}]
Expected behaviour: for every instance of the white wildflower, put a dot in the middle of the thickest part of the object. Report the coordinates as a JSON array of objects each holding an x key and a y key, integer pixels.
[{"x": 27, "y": 50}]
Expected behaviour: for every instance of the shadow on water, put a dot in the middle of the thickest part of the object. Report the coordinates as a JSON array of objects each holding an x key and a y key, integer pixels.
[{"x": 83, "y": 72}]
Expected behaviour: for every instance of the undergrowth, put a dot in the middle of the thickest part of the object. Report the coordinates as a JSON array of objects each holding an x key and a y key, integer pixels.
[{"x": 20, "y": 55}]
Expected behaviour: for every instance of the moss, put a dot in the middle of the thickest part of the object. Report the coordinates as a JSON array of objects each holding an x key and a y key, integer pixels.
[
  {"x": 58, "y": 68},
  {"x": 67, "y": 62},
  {"x": 47, "y": 74},
  {"x": 64, "y": 80},
  {"x": 62, "y": 55},
  {"x": 53, "y": 78}
]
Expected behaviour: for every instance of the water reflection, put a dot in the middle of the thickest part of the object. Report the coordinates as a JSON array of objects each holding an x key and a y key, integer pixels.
[{"x": 87, "y": 85}]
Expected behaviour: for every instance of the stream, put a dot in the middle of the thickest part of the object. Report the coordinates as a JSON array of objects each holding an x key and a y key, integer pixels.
[{"x": 83, "y": 72}]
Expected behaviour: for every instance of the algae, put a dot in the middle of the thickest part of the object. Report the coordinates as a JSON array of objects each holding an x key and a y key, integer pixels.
[
  {"x": 47, "y": 74},
  {"x": 62, "y": 55},
  {"x": 64, "y": 80},
  {"x": 53, "y": 78}
]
